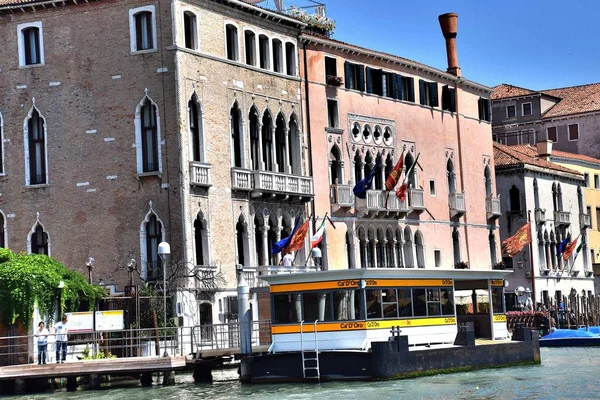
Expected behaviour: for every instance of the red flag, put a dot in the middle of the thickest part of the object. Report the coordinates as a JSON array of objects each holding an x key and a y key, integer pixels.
[
  {"x": 401, "y": 192},
  {"x": 516, "y": 242},
  {"x": 392, "y": 179},
  {"x": 569, "y": 249},
  {"x": 297, "y": 240}
]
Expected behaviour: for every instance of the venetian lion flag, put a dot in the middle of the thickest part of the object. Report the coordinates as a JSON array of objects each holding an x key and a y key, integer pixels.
[
  {"x": 516, "y": 242},
  {"x": 392, "y": 179},
  {"x": 318, "y": 236},
  {"x": 570, "y": 248},
  {"x": 297, "y": 240}
]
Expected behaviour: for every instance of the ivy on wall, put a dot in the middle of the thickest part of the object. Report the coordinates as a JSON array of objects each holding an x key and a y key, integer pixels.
[{"x": 29, "y": 278}]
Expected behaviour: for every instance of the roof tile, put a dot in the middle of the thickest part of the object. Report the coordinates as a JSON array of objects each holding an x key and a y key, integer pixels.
[{"x": 514, "y": 156}]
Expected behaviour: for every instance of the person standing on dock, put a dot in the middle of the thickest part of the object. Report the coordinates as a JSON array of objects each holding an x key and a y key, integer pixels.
[
  {"x": 42, "y": 342},
  {"x": 61, "y": 330}
]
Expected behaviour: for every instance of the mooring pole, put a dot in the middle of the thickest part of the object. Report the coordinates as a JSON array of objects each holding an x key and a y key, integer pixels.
[{"x": 245, "y": 317}]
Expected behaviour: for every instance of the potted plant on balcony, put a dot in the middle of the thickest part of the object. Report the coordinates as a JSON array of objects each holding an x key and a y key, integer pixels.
[
  {"x": 461, "y": 265},
  {"x": 333, "y": 80},
  {"x": 499, "y": 266},
  {"x": 314, "y": 22}
]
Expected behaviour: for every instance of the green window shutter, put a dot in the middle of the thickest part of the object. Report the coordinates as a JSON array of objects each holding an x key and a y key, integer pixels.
[
  {"x": 400, "y": 87},
  {"x": 433, "y": 94},
  {"x": 410, "y": 85},
  {"x": 369, "y": 80},
  {"x": 348, "y": 74},
  {"x": 422, "y": 99},
  {"x": 361, "y": 78}
]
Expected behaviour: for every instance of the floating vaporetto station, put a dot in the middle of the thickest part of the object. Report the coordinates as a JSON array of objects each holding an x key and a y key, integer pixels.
[{"x": 387, "y": 323}]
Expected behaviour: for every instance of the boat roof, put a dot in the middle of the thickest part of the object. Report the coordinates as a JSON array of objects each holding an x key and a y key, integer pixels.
[{"x": 385, "y": 273}]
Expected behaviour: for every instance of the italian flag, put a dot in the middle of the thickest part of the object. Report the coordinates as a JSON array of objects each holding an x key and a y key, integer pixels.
[
  {"x": 401, "y": 192},
  {"x": 318, "y": 236}
]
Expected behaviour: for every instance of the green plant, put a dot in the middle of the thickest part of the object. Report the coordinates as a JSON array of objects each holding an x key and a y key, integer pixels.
[
  {"x": 315, "y": 22},
  {"x": 100, "y": 355},
  {"x": 27, "y": 279}
]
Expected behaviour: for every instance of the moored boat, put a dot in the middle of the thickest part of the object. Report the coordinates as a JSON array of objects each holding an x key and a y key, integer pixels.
[{"x": 571, "y": 338}]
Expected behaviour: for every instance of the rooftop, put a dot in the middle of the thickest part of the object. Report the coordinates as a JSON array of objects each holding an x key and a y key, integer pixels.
[
  {"x": 573, "y": 156},
  {"x": 521, "y": 155}
]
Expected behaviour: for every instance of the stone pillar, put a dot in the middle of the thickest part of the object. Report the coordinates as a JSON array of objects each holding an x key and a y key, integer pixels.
[
  {"x": 278, "y": 230},
  {"x": 94, "y": 381},
  {"x": 265, "y": 244},
  {"x": 394, "y": 253},
  {"x": 146, "y": 379},
  {"x": 168, "y": 378},
  {"x": 374, "y": 250},
  {"x": 245, "y": 317},
  {"x": 273, "y": 149},
  {"x": 286, "y": 156}
]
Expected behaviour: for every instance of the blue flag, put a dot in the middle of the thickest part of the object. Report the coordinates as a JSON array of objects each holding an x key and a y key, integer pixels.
[
  {"x": 360, "y": 189},
  {"x": 562, "y": 245},
  {"x": 283, "y": 243}
]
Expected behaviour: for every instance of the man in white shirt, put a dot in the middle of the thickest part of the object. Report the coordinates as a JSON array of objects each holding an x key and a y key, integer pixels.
[
  {"x": 61, "y": 330},
  {"x": 288, "y": 260}
]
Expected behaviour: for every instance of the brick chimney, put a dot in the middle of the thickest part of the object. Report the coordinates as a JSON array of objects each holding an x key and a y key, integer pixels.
[
  {"x": 449, "y": 25},
  {"x": 544, "y": 149}
]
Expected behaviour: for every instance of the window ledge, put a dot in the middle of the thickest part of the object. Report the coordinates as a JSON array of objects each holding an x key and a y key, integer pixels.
[
  {"x": 32, "y": 66},
  {"x": 148, "y": 51},
  {"x": 146, "y": 174},
  {"x": 40, "y": 186},
  {"x": 334, "y": 130}
]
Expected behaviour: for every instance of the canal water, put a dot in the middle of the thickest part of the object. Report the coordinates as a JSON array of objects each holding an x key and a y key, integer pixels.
[{"x": 564, "y": 373}]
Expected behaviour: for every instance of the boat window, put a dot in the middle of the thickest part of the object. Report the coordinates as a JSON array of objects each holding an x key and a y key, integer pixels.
[
  {"x": 317, "y": 306},
  {"x": 346, "y": 305},
  {"x": 389, "y": 302},
  {"x": 447, "y": 302},
  {"x": 419, "y": 303},
  {"x": 497, "y": 303},
  {"x": 287, "y": 308},
  {"x": 405, "y": 303},
  {"x": 373, "y": 303},
  {"x": 433, "y": 302}
]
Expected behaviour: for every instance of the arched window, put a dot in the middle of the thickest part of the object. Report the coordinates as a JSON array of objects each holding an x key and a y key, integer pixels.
[
  {"x": 399, "y": 255},
  {"x": 389, "y": 248},
  {"x": 553, "y": 245},
  {"x": 190, "y": 30},
  {"x": 237, "y": 136},
  {"x": 368, "y": 166},
  {"x": 487, "y": 176},
  {"x": 356, "y": 132},
  {"x": 241, "y": 232},
  {"x": 255, "y": 139},
  {"x": 492, "y": 240},
  {"x": 201, "y": 240},
  {"x": 144, "y": 30},
  {"x": 408, "y": 248},
  {"x": 515, "y": 199},
  {"x": 250, "y": 47},
  {"x": 153, "y": 238},
  {"x": 280, "y": 148},
  {"x": 232, "y": 42},
  {"x": 541, "y": 250},
  {"x": 35, "y": 148},
  {"x": 378, "y": 175},
  {"x": 363, "y": 247},
  {"x": 408, "y": 162},
  {"x": 559, "y": 197},
  {"x": 196, "y": 132},
  {"x": 294, "y": 146},
  {"x": 335, "y": 166},
  {"x": 267, "y": 141},
  {"x": 547, "y": 251},
  {"x": 349, "y": 250},
  {"x": 2, "y": 231},
  {"x": 147, "y": 136},
  {"x": 39, "y": 241},
  {"x": 371, "y": 252},
  {"x": 389, "y": 166},
  {"x": 380, "y": 249},
  {"x": 536, "y": 194},
  {"x": 271, "y": 240},
  {"x": 31, "y": 49},
  {"x": 419, "y": 249},
  {"x": 367, "y": 133},
  {"x": 290, "y": 58},
  {"x": 451, "y": 177},
  {"x": 358, "y": 167},
  {"x": 264, "y": 53},
  {"x": 456, "y": 245},
  {"x": 277, "y": 56},
  {"x": 259, "y": 241}
]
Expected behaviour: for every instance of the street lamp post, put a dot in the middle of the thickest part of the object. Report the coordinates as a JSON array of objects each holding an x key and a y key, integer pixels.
[
  {"x": 61, "y": 286},
  {"x": 90, "y": 264},
  {"x": 164, "y": 251},
  {"x": 130, "y": 267}
]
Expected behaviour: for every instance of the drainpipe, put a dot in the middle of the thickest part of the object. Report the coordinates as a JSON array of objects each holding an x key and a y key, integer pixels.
[
  {"x": 449, "y": 25},
  {"x": 308, "y": 134}
]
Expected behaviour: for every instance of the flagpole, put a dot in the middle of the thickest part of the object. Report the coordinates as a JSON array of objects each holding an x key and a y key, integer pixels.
[{"x": 531, "y": 261}]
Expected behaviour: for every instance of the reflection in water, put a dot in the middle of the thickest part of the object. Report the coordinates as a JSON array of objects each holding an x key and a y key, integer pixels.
[{"x": 564, "y": 373}]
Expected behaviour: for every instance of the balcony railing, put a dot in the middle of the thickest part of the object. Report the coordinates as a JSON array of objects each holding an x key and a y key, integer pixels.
[
  {"x": 205, "y": 277},
  {"x": 540, "y": 216},
  {"x": 457, "y": 203},
  {"x": 585, "y": 221},
  {"x": 241, "y": 179},
  {"x": 200, "y": 174},
  {"x": 492, "y": 207},
  {"x": 277, "y": 182},
  {"x": 394, "y": 204},
  {"x": 381, "y": 201},
  {"x": 342, "y": 195},
  {"x": 416, "y": 200},
  {"x": 562, "y": 218}
]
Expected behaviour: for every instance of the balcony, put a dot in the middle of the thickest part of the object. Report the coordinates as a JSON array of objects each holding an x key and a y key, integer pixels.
[
  {"x": 341, "y": 195},
  {"x": 241, "y": 179},
  {"x": 492, "y": 207},
  {"x": 540, "y": 216},
  {"x": 200, "y": 174},
  {"x": 268, "y": 182},
  {"x": 416, "y": 200},
  {"x": 395, "y": 205},
  {"x": 562, "y": 218},
  {"x": 381, "y": 202},
  {"x": 205, "y": 277},
  {"x": 457, "y": 204},
  {"x": 585, "y": 221}
]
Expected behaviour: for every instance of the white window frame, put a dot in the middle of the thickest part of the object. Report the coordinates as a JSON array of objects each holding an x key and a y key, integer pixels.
[
  {"x": 282, "y": 60},
  {"x": 434, "y": 188},
  {"x": 195, "y": 33},
  {"x": 143, "y": 236},
  {"x": 285, "y": 55},
  {"x": 2, "y": 155},
  {"x": 137, "y": 123},
  {"x": 26, "y": 145},
  {"x": 256, "y": 53},
  {"x": 32, "y": 232},
  {"x": 200, "y": 123},
  {"x": 132, "y": 30},
  {"x": 523, "y": 109},
  {"x": 337, "y": 113},
  {"x": 511, "y": 105},
  {"x": 441, "y": 261},
  {"x": 569, "y": 133},
  {"x": 238, "y": 47},
  {"x": 269, "y": 52},
  {"x": 21, "y": 44},
  {"x": 548, "y": 135}
]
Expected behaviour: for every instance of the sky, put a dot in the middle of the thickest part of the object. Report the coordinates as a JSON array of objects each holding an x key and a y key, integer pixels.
[{"x": 537, "y": 44}]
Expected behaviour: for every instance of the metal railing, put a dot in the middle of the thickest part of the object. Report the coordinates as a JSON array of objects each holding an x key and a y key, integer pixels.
[
  {"x": 492, "y": 207},
  {"x": 562, "y": 218},
  {"x": 200, "y": 174},
  {"x": 226, "y": 337},
  {"x": 342, "y": 195},
  {"x": 457, "y": 203},
  {"x": 395, "y": 204},
  {"x": 278, "y": 182},
  {"x": 241, "y": 179}
]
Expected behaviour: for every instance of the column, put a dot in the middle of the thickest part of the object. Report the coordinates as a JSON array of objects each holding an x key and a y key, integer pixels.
[
  {"x": 278, "y": 230},
  {"x": 273, "y": 147},
  {"x": 286, "y": 156},
  {"x": 261, "y": 161},
  {"x": 394, "y": 253},
  {"x": 265, "y": 245},
  {"x": 374, "y": 254}
]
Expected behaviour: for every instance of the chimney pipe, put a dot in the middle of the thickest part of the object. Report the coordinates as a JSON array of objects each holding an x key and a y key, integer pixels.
[
  {"x": 544, "y": 149},
  {"x": 449, "y": 25}
]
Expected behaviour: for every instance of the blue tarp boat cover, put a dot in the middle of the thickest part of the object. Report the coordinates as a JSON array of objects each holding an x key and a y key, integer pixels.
[
  {"x": 593, "y": 329},
  {"x": 568, "y": 333}
]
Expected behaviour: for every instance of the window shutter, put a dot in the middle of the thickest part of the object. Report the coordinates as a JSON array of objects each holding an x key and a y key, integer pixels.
[
  {"x": 488, "y": 106},
  {"x": 446, "y": 98},
  {"x": 422, "y": 99},
  {"x": 433, "y": 94},
  {"x": 348, "y": 74},
  {"x": 361, "y": 78},
  {"x": 481, "y": 109},
  {"x": 369, "y": 80},
  {"x": 393, "y": 86},
  {"x": 399, "y": 88},
  {"x": 410, "y": 89},
  {"x": 452, "y": 95}
]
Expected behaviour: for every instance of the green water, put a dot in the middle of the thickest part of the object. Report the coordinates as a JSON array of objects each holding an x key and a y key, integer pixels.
[{"x": 564, "y": 373}]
